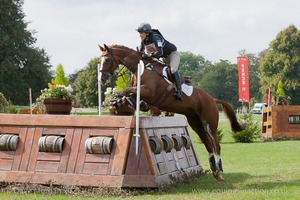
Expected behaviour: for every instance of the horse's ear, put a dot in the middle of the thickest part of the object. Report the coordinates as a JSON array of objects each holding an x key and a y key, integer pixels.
[
  {"x": 101, "y": 48},
  {"x": 105, "y": 47}
]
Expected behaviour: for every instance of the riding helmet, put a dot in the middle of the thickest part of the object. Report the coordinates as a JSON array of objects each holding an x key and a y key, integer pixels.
[{"x": 144, "y": 27}]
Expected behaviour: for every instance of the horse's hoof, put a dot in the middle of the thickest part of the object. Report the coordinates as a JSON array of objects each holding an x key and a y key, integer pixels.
[
  {"x": 220, "y": 177},
  {"x": 215, "y": 174}
]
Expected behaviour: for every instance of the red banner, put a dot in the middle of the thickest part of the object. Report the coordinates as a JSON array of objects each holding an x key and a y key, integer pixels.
[{"x": 243, "y": 79}]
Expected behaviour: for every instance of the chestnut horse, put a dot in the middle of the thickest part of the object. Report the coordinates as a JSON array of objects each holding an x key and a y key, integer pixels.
[{"x": 199, "y": 108}]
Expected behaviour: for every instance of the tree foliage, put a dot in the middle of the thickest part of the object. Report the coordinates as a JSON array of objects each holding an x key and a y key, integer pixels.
[
  {"x": 22, "y": 65},
  {"x": 221, "y": 80},
  {"x": 86, "y": 85},
  {"x": 123, "y": 80},
  {"x": 191, "y": 65},
  {"x": 3, "y": 103},
  {"x": 60, "y": 78},
  {"x": 281, "y": 62}
]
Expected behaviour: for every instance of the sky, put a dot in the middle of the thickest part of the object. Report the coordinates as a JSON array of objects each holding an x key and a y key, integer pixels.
[{"x": 71, "y": 30}]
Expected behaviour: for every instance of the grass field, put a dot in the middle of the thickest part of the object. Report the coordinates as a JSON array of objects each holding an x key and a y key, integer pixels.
[{"x": 259, "y": 170}]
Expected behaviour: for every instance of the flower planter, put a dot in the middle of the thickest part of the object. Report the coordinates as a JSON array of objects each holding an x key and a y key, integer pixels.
[{"x": 58, "y": 106}]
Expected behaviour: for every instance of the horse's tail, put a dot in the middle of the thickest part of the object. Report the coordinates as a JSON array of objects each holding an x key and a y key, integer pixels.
[{"x": 229, "y": 112}]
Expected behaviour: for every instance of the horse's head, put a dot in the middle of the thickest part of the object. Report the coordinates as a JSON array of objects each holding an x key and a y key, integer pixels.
[{"x": 108, "y": 64}]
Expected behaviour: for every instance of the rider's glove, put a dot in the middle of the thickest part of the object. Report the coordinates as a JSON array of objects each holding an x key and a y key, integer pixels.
[{"x": 146, "y": 55}]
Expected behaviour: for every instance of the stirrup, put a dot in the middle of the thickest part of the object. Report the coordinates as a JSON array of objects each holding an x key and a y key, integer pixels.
[{"x": 178, "y": 96}]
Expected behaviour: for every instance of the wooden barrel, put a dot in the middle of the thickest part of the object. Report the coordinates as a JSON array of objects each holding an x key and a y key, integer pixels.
[
  {"x": 51, "y": 143},
  {"x": 8, "y": 142},
  {"x": 99, "y": 145},
  {"x": 156, "y": 145},
  {"x": 187, "y": 142},
  {"x": 167, "y": 143},
  {"x": 178, "y": 143}
]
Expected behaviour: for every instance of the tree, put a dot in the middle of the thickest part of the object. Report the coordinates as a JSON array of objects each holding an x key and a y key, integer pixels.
[
  {"x": 60, "y": 77},
  {"x": 123, "y": 80},
  {"x": 191, "y": 65},
  {"x": 281, "y": 61},
  {"x": 22, "y": 66},
  {"x": 221, "y": 81},
  {"x": 86, "y": 85}
]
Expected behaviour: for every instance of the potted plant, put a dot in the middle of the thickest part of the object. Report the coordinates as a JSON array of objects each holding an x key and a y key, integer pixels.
[
  {"x": 115, "y": 103},
  {"x": 280, "y": 98},
  {"x": 57, "y": 99}
]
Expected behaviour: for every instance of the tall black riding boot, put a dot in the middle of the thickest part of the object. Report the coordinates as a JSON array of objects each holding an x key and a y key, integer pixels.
[{"x": 177, "y": 81}]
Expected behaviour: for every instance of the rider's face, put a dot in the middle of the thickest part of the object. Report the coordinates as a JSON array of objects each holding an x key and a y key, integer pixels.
[{"x": 143, "y": 36}]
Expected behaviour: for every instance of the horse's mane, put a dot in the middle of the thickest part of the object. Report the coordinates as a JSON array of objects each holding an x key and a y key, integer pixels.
[{"x": 121, "y": 47}]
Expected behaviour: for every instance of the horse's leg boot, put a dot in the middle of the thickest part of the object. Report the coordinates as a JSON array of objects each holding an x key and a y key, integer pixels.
[{"x": 178, "y": 93}]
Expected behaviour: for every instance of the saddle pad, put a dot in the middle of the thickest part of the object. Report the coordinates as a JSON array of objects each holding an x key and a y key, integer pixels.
[{"x": 187, "y": 89}]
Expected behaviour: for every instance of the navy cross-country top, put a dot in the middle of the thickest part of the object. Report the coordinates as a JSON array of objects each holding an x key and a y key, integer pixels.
[{"x": 157, "y": 45}]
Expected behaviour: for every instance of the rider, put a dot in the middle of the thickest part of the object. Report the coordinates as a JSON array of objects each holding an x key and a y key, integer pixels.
[{"x": 153, "y": 44}]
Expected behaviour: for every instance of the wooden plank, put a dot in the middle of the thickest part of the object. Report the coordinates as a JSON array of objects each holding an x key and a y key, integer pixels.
[
  {"x": 81, "y": 152},
  {"x": 192, "y": 161},
  {"x": 286, "y": 134},
  {"x": 46, "y": 166},
  {"x": 269, "y": 123},
  {"x": 20, "y": 149},
  {"x": 159, "y": 158},
  {"x": 63, "y": 179},
  {"x": 97, "y": 158},
  {"x": 95, "y": 168},
  {"x": 54, "y": 131},
  {"x": 119, "y": 157},
  {"x": 34, "y": 149},
  {"x": 9, "y": 130},
  {"x": 165, "y": 178},
  {"x": 67, "y": 147},
  {"x": 107, "y": 132},
  {"x": 162, "y": 168},
  {"x": 46, "y": 156},
  {"x": 286, "y": 109},
  {"x": 67, "y": 121},
  {"x": 162, "y": 122},
  {"x": 7, "y": 154},
  {"x": 27, "y": 149},
  {"x": 75, "y": 149},
  {"x": 144, "y": 166},
  {"x": 139, "y": 181},
  {"x": 132, "y": 159},
  {"x": 5, "y": 165}
]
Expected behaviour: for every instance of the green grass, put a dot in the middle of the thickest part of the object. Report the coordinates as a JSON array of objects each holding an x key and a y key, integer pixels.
[{"x": 258, "y": 170}]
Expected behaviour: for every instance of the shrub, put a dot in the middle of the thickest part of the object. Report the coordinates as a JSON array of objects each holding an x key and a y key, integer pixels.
[
  {"x": 3, "y": 103},
  {"x": 11, "y": 109},
  {"x": 219, "y": 134},
  {"x": 251, "y": 131}
]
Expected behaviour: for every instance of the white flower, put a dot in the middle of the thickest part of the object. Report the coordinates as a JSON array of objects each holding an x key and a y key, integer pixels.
[
  {"x": 108, "y": 91},
  {"x": 69, "y": 88}
]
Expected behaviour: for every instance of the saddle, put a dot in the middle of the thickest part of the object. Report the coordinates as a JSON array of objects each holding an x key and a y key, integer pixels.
[{"x": 167, "y": 74}]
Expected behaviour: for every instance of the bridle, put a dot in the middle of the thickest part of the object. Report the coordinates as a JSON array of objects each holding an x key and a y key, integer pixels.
[
  {"x": 110, "y": 73},
  {"x": 111, "y": 59}
]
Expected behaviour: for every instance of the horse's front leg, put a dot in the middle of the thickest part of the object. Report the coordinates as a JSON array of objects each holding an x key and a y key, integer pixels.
[
  {"x": 130, "y": 90},
  {"x": 145, "y": 92}
]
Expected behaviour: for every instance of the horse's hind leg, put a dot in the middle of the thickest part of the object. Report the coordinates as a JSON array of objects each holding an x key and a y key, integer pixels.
[
  {"x": 209, "y": 139},
  {"x": 215, "y": 165}
]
